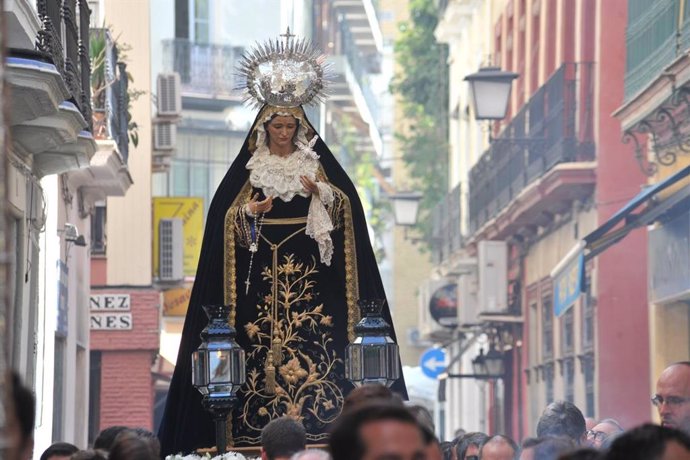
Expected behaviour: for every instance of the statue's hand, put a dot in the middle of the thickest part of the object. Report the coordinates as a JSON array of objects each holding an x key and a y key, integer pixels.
[
  {"x": 309, "y": 185},
  {"x": 255, "y": 206}
]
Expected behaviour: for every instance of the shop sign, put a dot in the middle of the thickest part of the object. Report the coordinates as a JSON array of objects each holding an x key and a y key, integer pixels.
[
  {"x": 110, "y": 312},
  {"x": 443, "y": 305},
  {"x": 568, "y": 280},
  {"x": 110, "y": 321}
]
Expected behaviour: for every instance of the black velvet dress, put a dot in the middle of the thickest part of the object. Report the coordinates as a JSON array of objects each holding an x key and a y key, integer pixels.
[{"x": 294, "y": 315}]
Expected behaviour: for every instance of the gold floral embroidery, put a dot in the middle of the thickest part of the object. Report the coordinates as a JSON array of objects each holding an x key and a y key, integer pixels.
[
  {"x": 230, "y": 270},
  {"x": 305, "y": 383}
]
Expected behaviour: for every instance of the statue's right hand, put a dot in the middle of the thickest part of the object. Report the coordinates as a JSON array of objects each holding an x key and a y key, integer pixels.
[{"x": 257, "y": 207}]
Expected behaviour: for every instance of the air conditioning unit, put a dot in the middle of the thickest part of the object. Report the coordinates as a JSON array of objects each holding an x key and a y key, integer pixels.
[
  {"x": 164, "y": 135},
  {"x": 467, "y": 299},
  {"x": 169, "y": 95},
  {"x": 170, "y": 250},
  {"x": 492, "y": 259}
]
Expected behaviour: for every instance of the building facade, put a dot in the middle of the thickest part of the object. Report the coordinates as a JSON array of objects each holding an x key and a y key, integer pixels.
[
  {"x": 124, "y": 307},
  {"x": 654, "y": 123},
  {"x": 549, "y": 177}
]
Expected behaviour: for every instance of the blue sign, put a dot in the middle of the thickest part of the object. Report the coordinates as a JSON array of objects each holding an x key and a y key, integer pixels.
[
  {"x": 568, "y": 283},
  {"x": 433, "y": 362}
]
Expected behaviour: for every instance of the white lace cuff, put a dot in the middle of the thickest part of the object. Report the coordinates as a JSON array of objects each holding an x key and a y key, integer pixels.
[
  {"x": 319, "y": 223},
  {"x": 325, "y": 193}
]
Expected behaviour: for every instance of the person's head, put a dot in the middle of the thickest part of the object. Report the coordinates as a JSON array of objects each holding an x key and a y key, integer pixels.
[
  {"x": 590, "y": 422},
  {"x": 106, "y": 438},
  {"x": 376, "y": 430},
  {"x": 527, "y": 448},
  {"x": 59, "y": 451},
  {"x": 602, "y": 431},
  {"x": 280, "y": 131},
  {"x": 129, "y": 446},
  {"x": 468, "y": 446},
  {"x": 148, "y": 436},
  {"x": 562, "y": 418},
  {"x": 650, "y": 442},
  {"x": 91, "y": 454},
  {"x": 583, "y": 454},
  {"x": 281, "y": 438},
  {"x": 552, "y": 447},
  {"x": 24, "y": 413},
  {"x": 311, "y": 454},
  {"x": 448, "y": 450},
  {"x": 369, "y": 392},
  {"x": 672, "y": 397},
  {"x": 498, "y": 447}
]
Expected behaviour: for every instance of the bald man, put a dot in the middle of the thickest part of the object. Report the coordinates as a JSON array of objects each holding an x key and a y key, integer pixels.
[{"x": 672, "y": 397}]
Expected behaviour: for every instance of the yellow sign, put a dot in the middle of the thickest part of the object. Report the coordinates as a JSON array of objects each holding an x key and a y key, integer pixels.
[
  {"x": 176, "y": 301},
  {"x": 191, "y": 211}
]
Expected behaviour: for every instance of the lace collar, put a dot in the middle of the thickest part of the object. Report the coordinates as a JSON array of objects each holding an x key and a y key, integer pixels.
[{"x": 278, "y": 176}]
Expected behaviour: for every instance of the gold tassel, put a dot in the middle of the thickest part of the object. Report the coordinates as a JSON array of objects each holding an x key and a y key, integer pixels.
[
  {"x": 277, "y": 352},
  {"x": 270, "y": 374}
]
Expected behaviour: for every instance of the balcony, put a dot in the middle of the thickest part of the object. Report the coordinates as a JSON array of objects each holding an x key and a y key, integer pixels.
[
  {"x": 206, "y": 70},
  {"x": 540, "y": 163},
  {"x": 71, "y": 55},
  {"x": 446, "y": 234},
  {"x": 111, "y": 116},
  {"x": 49, "y": 86},
  {"x": 364, "y": 24}
]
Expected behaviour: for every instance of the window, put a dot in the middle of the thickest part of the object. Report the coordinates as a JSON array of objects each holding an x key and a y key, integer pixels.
[
  {"x": 548, "y": 382},
  {"x": 570, "y": 380},
  {"x": 588, "y": 370},
  {"x": 588, "y": 304},
  {"x": 201, "y": 25},
  {"x": 98, "y": 226},
  {"x": 547, "y": 327},
  {"x": 567, "y": 339},
  {"x": 200, "y": 163}
]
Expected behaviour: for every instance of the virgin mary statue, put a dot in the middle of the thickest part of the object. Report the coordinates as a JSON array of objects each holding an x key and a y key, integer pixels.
[{"x": 286, "y": 246}]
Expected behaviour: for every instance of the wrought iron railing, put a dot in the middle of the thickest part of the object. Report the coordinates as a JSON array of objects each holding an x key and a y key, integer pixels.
[
  {"x": 68, "y": 19},
  {"x": 654, "y": 38},
  {"x": 446, "y": 235},
  {"x": 206, "y": 69},
  {"x": 554, "y": 126},
  {"x": 111, "y": 97}
]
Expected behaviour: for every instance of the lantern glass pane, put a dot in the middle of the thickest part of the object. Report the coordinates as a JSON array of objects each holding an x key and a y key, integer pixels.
[
  {"x": 494, "y": 366},
  {"x": 478, "y": 368},
  {"x": 199, "y": 371},
  {"x": 219, "y": 366},
  {"x": 237, "y": 375},
  {"x": 491, "y": 98},
  {"x": 405, "y": 211}
]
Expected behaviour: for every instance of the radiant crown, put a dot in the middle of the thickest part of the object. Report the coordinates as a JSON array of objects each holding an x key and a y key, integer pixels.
[{"x": 283, "y": 73}]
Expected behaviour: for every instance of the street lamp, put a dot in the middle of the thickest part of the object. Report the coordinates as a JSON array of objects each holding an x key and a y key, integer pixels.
[
  {"x": 405, "y": 207},
  {"x": 372, "y": 357},
  {"x": 490, "y": 88},
  {"x": 218, "y": 369},
  {"x": 487, "y": 366}
]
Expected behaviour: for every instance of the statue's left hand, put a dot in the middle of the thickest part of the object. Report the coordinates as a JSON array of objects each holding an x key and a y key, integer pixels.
[{"x": 309, "y": 185}]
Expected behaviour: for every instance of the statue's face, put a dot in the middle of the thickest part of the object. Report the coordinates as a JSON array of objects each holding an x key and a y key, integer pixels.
[{"x": 281, "y": 131}]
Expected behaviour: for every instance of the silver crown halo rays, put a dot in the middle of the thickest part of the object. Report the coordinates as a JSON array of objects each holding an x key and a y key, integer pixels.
[{"x": 283, "y": 73}]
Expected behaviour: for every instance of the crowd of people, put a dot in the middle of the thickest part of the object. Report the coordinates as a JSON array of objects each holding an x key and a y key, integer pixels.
[{"x": 376, "y": 424}]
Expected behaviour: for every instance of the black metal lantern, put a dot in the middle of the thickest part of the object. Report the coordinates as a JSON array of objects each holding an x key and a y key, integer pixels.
[
  {"x": 490, "y": 88},
  {"x": 372, "y": 357},
  {"x": 494, "y": 363},
  {"x": 218, "y": 369},
  {"x": 488, "y": 366}
]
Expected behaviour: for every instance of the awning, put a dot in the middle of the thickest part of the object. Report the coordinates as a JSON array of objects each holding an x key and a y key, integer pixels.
[
  {"x": 568, "y": 275},
  {"x": 605, "y": 236}
]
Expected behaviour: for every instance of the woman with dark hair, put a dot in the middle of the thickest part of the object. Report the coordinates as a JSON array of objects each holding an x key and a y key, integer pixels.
[{"x": 287, "y": 248}]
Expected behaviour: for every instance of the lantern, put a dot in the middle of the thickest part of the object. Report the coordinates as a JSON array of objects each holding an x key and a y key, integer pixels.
[
  {"x": 372, "y": 357},
  {"x": 218, "y": 369}
]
